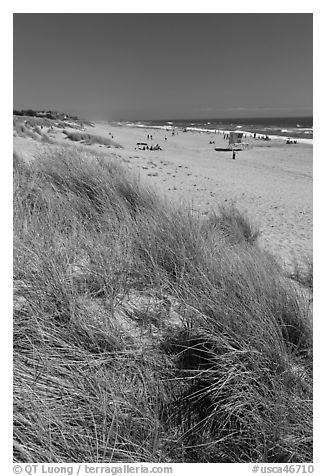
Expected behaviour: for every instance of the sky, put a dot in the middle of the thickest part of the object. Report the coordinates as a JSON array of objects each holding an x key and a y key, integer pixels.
[{"x": 164, "y": 66}]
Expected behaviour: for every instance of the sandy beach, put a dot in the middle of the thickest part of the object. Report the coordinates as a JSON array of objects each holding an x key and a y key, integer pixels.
[{"x": 270, "y": 181}]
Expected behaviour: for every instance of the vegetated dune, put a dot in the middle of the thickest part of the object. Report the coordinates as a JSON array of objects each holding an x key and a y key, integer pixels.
[
  {"x": 47, "y": 117},
  {"x": 89, "y": 139},
  {"x": 145, "y": 333},
  {"x": 31, "y": 128},
  {"x": 43, "y": 128}
]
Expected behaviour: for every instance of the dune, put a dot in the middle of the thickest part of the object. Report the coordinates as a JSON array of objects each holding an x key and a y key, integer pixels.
[{"x": 150, "y": 323}]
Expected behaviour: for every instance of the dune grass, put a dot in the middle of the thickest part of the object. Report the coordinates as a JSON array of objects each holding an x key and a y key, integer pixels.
[
  {"x": 90, "y": 139},
  {"x": 31, "y": 128},
  {"x": 303, "y": 273},
  {"x": 145, "y": 333}
]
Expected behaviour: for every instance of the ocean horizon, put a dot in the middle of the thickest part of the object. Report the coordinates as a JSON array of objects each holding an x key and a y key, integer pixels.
[{"x": 293, "y": 127}]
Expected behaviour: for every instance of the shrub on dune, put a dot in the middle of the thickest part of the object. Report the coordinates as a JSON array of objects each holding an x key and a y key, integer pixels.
[{"x": 235, "y": 225}]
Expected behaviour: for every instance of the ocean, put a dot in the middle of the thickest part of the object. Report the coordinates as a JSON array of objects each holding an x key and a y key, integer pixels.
[{"x": 288, "y": 127}]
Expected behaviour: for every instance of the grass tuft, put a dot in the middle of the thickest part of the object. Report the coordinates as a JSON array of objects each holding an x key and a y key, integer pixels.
[{"x": 90, "y": 139}]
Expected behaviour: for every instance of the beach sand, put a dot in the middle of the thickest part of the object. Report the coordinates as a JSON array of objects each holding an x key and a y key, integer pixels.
[{"x": 271, "y": 181}]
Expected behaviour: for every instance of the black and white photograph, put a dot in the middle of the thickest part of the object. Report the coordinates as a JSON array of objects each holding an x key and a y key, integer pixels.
[{"x": 162, "y": 218}]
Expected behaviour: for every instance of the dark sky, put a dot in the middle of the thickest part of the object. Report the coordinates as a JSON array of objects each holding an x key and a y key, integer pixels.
[{"x": 160, "y": 66}]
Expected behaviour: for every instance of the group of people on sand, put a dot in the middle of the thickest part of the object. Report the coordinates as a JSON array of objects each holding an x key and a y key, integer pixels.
[
  {"x": 291, "y": 141},
  {"x": 146, "y": 147},
  {"x": 260, "y": 136},
  {"x": 155, "y": 147}
]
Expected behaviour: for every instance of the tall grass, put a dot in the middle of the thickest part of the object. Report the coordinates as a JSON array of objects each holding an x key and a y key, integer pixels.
[
  {"x": 144, "y": 333},
  {"x": 89, "y": 139}
]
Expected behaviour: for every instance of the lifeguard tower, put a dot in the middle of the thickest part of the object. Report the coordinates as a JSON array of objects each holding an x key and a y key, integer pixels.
[
  {"x": 235, "y": 143},
  {"x": 235, "y": 140}
]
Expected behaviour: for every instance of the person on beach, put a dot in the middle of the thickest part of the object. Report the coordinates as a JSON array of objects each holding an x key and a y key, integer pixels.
[{"x": 233, "y": 155}]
